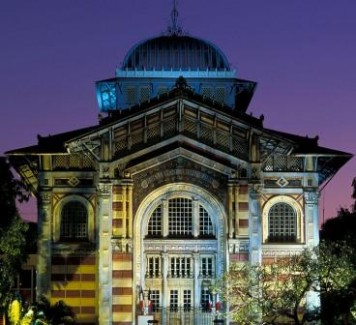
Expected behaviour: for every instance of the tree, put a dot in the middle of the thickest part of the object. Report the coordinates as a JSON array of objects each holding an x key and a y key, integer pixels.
[
  {"x": 288, "y": 289},
  {"x": 13, "y": 230},
  {"x": 337, "y": 282},
  {"x": 339, "y": 235},
  {"x": 272, "y": 292}
]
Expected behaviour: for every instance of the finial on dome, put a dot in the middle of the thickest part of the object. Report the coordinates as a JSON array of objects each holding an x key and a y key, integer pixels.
[{"x": 174, "y": 28}]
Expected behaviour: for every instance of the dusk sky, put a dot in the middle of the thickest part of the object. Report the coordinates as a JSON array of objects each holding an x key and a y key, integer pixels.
[{"x": 302, "y": 54}]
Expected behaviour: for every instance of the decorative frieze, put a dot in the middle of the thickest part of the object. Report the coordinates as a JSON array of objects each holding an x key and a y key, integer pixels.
[
  {"x": 179, "y": 246},
  {"x": 236, "y": 246},
  {"x": 122, "y": 245},
  {"x": 281, "y": 250},
  {"x": 283, "y": 182},
  {"x": 73, "y": 182},
  {"x": 179, "y": 170}
]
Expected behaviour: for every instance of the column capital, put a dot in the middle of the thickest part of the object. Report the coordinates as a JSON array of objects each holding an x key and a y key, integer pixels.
[
  {"x": 45, "y": 195},
  {"x": 311, "y": 197},
  {"x": 104, "y": 187}
]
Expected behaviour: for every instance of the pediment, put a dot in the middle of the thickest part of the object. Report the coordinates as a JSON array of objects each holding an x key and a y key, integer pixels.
[{"x": 214, "y": 131}]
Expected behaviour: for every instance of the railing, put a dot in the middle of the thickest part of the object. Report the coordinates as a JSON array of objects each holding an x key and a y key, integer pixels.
[
  {"x": 185, "y": 316},
  {"x": 283, "y": 164}
]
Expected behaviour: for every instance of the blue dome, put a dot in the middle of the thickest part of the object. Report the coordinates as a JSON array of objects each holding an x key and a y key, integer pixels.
[{"x": 175, "y": 52}]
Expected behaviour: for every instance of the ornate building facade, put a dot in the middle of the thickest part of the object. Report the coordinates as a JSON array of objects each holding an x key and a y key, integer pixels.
[{"x": 175, "y": 183}]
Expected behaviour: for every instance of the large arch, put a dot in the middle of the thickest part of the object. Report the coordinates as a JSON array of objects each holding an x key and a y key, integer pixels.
[{"x": 211, "y": 204}]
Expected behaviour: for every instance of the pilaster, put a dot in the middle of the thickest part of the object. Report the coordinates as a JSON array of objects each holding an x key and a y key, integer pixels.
[
  {"x": 44, "y": 252},
  {"x": 230, "y": 211},
  {"x": 255, "y": 225},
  {"x": 311, "y": 199},
  {"x": 104, "y": 253}
]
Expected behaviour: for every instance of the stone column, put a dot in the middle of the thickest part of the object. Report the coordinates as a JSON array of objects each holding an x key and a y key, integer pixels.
[
  {"x": 197, "y": 289},
  {"x": 44, "y": 250},
  {"x": 165, "y": 293},
  {"x": 230, "y": 210},
  {"x": 311, "y": 199},
  {"x": 255, "y": 225},
  {"x": 129, "y": 213},
  {"x": 104, "y": 272},
  {"x": 236, "y": 210}
]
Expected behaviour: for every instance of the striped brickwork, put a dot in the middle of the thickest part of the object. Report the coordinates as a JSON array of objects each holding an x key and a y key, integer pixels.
[
  {"x": 122, "y": 268},
  {"x": 122, "y": 292},
  {"x": 122, "y": 211},
  {"x": 73, "y": 280},
  {"x": 238, "y": 210}
]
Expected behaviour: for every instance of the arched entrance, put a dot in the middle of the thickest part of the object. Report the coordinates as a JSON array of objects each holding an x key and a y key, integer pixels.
[{"x": 179, "y": 251}]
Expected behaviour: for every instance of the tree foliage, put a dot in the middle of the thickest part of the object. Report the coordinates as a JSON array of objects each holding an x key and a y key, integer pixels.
[
  {"x": 13, "y": 231},
  {"x": 272, "y": 292},
  {"x": 288, "y": 289},
  {"x": 339, "y": 294},
  {"x": 337, "y": 282}
]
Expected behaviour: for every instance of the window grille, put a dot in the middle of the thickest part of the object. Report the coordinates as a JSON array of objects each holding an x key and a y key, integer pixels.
[
  {"x": 180, "y": 217},
  {"x": 220, "y": 94},
  {"x": 190, "y": 127},
  {"x": 206, "y": 226},
  {"x": 153, "y": 266},
  {"x": 181, "y": 267},
  {"x": 74, "y": 161},
  {"x": 238, "y": 146},
  {"x": 131, "y": 96},
  {"x": 207, "y": 92},
  {"x": 136, "y": 138},
  {"x": 155, "y": 300},
  {"x": 283, "y": 163},
  {"x": 74, "y": 221},
  {"x": 173, "y": 303},
  {"x": 282, "y": 223},
  {"x": 187, "y": 300},
  {"x": 144, "y": 94},
  {"x": 153, "y": 132},
  {"x": 155, "y": 223},
  {"x": 223, "y": 140},
  {"x": 207, "y": 266},
  {"x": 206, "y": 134},
  {"x": 120, "y": 144},
  {"x": 169, "y": 127},
  {"x": 205, "y": 300}
]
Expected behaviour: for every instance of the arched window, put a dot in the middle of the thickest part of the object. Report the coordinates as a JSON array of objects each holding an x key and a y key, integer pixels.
[
  {"x": 155, "y": 223},
  {"x": 74, "y": 222},
  {"x": 206, "y": 226},
  {"x": 185, "y": 218},
  {"x": 180, "y": 221},
  {"x": 282, "y": 223}
]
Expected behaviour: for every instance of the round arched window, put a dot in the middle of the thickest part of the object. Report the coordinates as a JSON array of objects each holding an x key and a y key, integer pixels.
[
  {"x": 182, "y": 217},
  {"x": 282, "y": 223},
  {"x": 74, "y": 222}
]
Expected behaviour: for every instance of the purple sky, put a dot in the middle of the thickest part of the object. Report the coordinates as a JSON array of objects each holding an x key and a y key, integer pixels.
[{"x": 301, "y": 53}]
